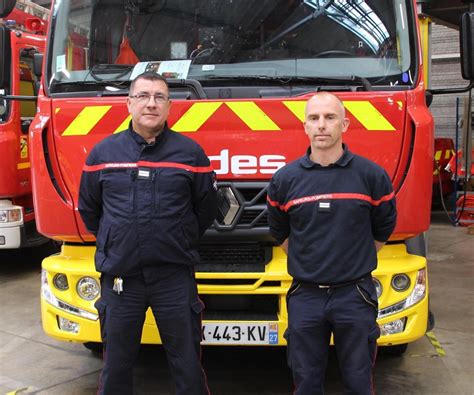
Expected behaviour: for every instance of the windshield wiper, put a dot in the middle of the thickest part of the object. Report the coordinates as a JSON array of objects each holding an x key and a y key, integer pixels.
[
  {"x": 118, "y": 88},
  {"x": 282, "y": 79},
  {"x": 352, "y": 80},
  {"x": 103, "y": 87},
  {"x": 190, "y": 83},
  {"x": 118, "y": 70},
  {"x": 116, "y": 83}
]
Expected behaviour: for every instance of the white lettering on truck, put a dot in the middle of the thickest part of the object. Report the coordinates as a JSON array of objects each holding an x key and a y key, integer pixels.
[{"x": 246, "y": 164}]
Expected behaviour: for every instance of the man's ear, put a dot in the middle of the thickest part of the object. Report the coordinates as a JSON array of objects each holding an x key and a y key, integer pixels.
[
  {"x": 304, "y": 127},
  {"x": 345, "y": 124}
]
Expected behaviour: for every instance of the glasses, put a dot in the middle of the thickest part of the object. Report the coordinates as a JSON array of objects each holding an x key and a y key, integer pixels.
[{"x": 144, "y": 98}]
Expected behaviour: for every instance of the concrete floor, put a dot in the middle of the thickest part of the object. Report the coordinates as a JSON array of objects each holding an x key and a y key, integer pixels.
[{"x": 32, "y": 363}]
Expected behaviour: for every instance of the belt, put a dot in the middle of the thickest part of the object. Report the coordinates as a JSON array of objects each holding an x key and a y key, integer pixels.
[{"x": 337, "y": 285}]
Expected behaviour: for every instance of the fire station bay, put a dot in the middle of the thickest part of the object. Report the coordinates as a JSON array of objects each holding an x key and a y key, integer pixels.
[{"x": 291, "y": 213}]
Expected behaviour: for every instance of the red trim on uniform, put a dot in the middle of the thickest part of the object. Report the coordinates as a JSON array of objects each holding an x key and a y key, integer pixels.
[
  {"x": 331, "y": 196},
  {"x": 124, "y": 165},
  {"x": 200, "y": 355},
  {"x": 108, "y": 166},
  {"x": 385, "y": 198},
  {"x": 272, "y": 202},
  {"x": 194, "y": 169},
  {"x": 372, "y": 385}
]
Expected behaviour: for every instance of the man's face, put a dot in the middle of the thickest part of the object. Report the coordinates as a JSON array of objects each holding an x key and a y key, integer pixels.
[
  {"x": 325, "y": 122},
  {"x": 149, "y": 114}
]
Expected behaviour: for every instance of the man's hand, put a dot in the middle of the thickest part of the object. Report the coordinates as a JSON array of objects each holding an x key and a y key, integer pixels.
[{"x": 284, "y": 245}]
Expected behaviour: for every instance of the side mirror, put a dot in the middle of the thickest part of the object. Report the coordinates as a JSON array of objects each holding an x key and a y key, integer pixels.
[
  {"x": 5, "y": 58},
  {"x": 38, "y": 65},
  {"x": 467, "y": 45},
  {"x": 6, "y": 6}
]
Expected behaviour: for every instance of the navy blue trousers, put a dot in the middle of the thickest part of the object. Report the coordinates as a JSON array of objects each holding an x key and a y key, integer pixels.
[
  {"x": 171, "y": 292},
  {"x": 349, "y": 313}
]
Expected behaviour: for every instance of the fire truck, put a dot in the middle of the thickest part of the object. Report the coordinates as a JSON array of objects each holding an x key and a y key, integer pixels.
[
  {"x": 240, "y": 73},
  {"x": 22, "y": 34}
]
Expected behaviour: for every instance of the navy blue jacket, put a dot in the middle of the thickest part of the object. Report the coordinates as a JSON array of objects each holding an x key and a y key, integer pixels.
[
  {"x": 331, "y": 215},
  {"x": 146, "y": 203}
]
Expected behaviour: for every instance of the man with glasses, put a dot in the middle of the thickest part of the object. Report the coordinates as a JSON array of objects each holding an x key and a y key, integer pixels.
[{"x": 148, "y": 194}]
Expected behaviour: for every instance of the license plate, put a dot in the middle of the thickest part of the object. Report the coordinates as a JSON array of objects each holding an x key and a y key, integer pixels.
[{"x": 239, "y": 333}]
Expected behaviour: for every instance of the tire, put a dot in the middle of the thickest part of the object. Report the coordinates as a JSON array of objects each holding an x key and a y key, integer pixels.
[
  {"x": 395, "y": 351},
  {"x": 96, "y": 348},
  {"x": 431, "y": 321}
]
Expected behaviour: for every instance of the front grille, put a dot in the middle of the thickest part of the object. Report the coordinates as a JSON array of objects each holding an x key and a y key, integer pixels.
[
  {"x": 242, "y": 257},
  {"x": 255, "y": 219},
  {"x": 250, "y": 192}
]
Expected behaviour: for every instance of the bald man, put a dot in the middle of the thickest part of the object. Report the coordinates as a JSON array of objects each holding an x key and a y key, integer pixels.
[{"x": 331, "y": 211}]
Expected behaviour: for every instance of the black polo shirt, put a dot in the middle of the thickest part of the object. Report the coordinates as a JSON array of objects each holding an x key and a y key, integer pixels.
[{"x": 331, "y": 215}]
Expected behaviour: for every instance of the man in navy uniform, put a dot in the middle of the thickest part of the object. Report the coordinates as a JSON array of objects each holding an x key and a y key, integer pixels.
[
  {"x": 331, "y": 211},
  {"x": 148, "y": 194}
]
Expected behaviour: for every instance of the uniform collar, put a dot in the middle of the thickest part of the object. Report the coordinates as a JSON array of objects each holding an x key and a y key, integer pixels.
[
  {"x": 343, "y": 161},
  {"x": 141, "y": 141}
]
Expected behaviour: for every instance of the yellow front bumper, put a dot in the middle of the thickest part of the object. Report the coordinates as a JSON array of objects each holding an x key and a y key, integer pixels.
[{"x": 77, "y": 261}]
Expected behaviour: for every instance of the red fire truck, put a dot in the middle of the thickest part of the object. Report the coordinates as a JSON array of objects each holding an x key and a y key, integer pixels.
[
  {"x": 239, "y": 75},
  {"x": 21, "y": 36}
]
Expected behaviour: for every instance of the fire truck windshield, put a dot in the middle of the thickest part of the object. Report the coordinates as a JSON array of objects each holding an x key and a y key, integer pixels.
[{"x": 215, "y": 40}]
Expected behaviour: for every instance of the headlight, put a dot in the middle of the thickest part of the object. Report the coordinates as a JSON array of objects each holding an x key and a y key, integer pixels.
[
  {"x": 11, "y": 215},
  {"x": 400, "y": 282},
  {"x": 418, "y": 293},
  {"x": 88, "y": 288},
  {"x": 46, "y": 289},
  {"x": 60, "y": 282},
  {"x": 378, "y": 287},
  {"x": 393, "y": 327},
  {"x": 68, "y": 325},
  {"x": 48, "y": 296}
]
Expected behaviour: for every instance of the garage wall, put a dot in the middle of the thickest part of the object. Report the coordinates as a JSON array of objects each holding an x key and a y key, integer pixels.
[{"x": 445, "y": 73}]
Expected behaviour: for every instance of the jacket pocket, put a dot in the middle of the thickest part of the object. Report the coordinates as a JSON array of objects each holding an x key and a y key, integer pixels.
[
  {"x": 103, "y": 238},
  {"x": 117, "y": 185},
  {"x": 172, "y": 193},
  {"x": 367, "y": 292},
  {"x": 295, "y": 286},
  {"x": 190, "y": 232},
  {"x": 102, "y": 242}
]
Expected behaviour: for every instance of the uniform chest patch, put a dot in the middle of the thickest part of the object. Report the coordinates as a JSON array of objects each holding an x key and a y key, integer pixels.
[
  {"x": 143, "y": 174},
  {"x": 324, "y": 207}
]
